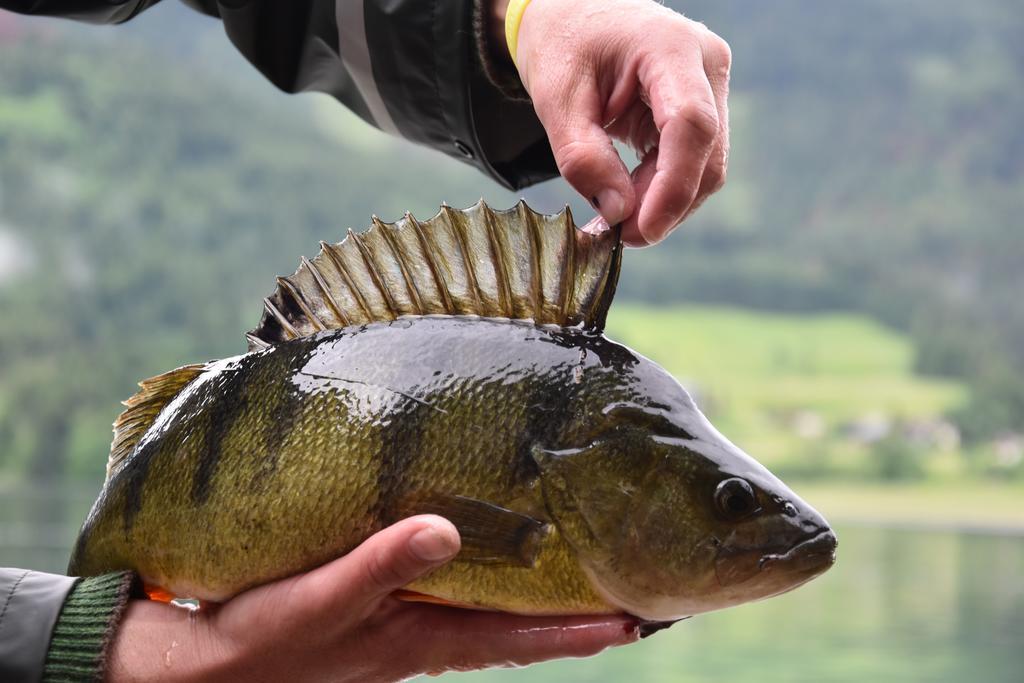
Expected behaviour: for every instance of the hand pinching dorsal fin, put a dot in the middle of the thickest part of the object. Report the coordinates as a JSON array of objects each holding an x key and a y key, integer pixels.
[
  {"x": 505, "y": 264},
  {"x": 142, "y": 409}
]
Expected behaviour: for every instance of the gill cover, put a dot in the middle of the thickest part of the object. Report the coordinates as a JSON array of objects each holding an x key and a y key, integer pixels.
[{"x": 601, "y": 498}]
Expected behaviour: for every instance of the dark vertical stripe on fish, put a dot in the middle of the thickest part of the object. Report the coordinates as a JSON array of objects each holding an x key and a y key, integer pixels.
[
  {"x": 276, "y": 429},
  {"x": 132, "y": 480},
  {"x": 550, "y": 406},
  {"x": 401, "y": 446},
  {"x": 221, "y": 416}
]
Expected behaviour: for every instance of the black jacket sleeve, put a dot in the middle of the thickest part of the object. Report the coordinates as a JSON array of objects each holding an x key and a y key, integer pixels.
[{"x": 409, "y": 67}]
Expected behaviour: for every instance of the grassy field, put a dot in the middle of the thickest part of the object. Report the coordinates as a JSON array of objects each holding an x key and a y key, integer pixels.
[
  {"x": 791, "y": 390},
  {"x": 756, "y": 374}
]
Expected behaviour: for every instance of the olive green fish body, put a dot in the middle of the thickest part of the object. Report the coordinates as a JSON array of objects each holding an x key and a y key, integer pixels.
[{"x": 279, "y": 460}]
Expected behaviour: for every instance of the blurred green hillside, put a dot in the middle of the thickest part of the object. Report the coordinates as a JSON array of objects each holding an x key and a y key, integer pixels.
[
  {"x": 809, "y": 395},
  {"x": 152, "y": 186},
  {"x": 877, "y": 166}
]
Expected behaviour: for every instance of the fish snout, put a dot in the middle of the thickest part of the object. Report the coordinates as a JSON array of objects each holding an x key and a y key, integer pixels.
[
  {"x": 803, "y": 546},
  {"x": 811, "y": 543},
  {"x": 812, "y": 556}
]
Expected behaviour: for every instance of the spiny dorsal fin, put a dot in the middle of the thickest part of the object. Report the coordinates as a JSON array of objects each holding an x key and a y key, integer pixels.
[
  {"x": 501, "y": 264},
  {"x": 141, "y": 410}
]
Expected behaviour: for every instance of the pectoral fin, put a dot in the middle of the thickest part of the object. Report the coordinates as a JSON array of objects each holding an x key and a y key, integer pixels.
[
  {"x": 158, "y": 594},
  {"x": 490, "y": 533}
]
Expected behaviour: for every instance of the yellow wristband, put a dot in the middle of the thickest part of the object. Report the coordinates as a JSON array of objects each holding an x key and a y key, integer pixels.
[{"x": 514, "y": 17}]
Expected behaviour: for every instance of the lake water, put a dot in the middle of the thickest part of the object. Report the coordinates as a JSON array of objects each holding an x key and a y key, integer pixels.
[{"x": 899, "y": 606}]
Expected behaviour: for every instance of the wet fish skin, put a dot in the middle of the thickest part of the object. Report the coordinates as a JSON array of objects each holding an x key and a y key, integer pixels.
[
  {"x": 314, "y": 444},
  {"x": 277, "y": 461}
]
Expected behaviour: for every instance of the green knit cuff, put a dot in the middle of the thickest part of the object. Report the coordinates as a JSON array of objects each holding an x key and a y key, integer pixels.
[{"x": 85, "y": 628}]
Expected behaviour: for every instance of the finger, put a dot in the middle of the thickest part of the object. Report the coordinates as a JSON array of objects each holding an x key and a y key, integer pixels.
[
  {"x": 355, "y": 584},
  {"x": 458, "y": 640},
  {"x": 713, "y": 179},
  {"x": 642, "y": 176},
  {"x": 717, "y": 63},
  {"x": 583, "y": 150},
  {"x": 685, "y": 112},
  {"x": 636, "y": 128}
]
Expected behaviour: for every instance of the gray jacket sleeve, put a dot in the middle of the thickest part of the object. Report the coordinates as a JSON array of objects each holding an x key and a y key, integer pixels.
[
  {"x": 58, "y": 628},
  {"x": 409, "y": 67},
  {"x": 30, "y": 603}
]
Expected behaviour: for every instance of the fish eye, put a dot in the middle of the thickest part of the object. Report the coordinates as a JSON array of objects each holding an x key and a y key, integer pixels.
[{"x": 735, "y": 499}]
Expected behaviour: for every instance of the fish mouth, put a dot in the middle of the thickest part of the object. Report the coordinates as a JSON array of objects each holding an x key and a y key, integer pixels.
[
  {"x": 816, "y": 554},
  {"x": 790, "y": 566}
]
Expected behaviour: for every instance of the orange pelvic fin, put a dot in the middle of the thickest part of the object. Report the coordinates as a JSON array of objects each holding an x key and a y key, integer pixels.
[
  {"x": 157, "y": 593},
  {"x": 412, "y": 596}
]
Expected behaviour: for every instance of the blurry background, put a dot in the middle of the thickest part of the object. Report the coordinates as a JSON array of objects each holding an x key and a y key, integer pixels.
[{"x": 848, "y": 309}]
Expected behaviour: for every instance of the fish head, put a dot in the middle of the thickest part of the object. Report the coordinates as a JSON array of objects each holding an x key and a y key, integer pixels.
[{"x": 669, "y": 519}]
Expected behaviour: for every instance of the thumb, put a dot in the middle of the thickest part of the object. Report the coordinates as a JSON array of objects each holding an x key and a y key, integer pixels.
[
  {"x": 387, "y": 561},
  {"x": 585, "y": 155}
]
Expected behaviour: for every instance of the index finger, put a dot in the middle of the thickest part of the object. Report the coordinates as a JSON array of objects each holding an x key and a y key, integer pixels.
[{"x": 685, "y": 113}]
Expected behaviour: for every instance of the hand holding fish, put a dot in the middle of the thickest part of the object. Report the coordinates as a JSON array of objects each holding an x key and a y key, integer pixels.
[
  {"x": 338, "y": 623},
  {"x": 637, "y": 72}
]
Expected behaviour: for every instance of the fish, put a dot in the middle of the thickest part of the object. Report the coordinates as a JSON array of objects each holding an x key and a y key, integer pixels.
[{"x": 456, "y": 366}]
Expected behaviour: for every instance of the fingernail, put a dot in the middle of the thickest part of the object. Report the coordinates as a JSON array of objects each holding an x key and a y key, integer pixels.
[
  {"x": 430, "y": 545},
  {"x": 611, "y": 205}
]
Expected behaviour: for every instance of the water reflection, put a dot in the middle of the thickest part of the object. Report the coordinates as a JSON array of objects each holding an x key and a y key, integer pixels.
[{"x": 900, "y": 606}]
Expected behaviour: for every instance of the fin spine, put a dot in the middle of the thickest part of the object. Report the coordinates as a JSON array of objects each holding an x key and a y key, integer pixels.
[
  {"x": 325, "y": 291},
  {"x": 597, "y": 315},
  {"x": 374, "y": 272},
  {"x": 288, "y": 287},
  {"x": 281, "y": 319},
  {"x": 403, "y": 266},
  {"x": 428, "y": 253},
  {"x": 467, "y": 263},
  {"x": 498, "y": 258},
  {"x": 537, "y": 278},
  {"x": 255, "y": 343},
  {"x": 339, "y": 265},
  {"x": 567, "y": 285}
]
